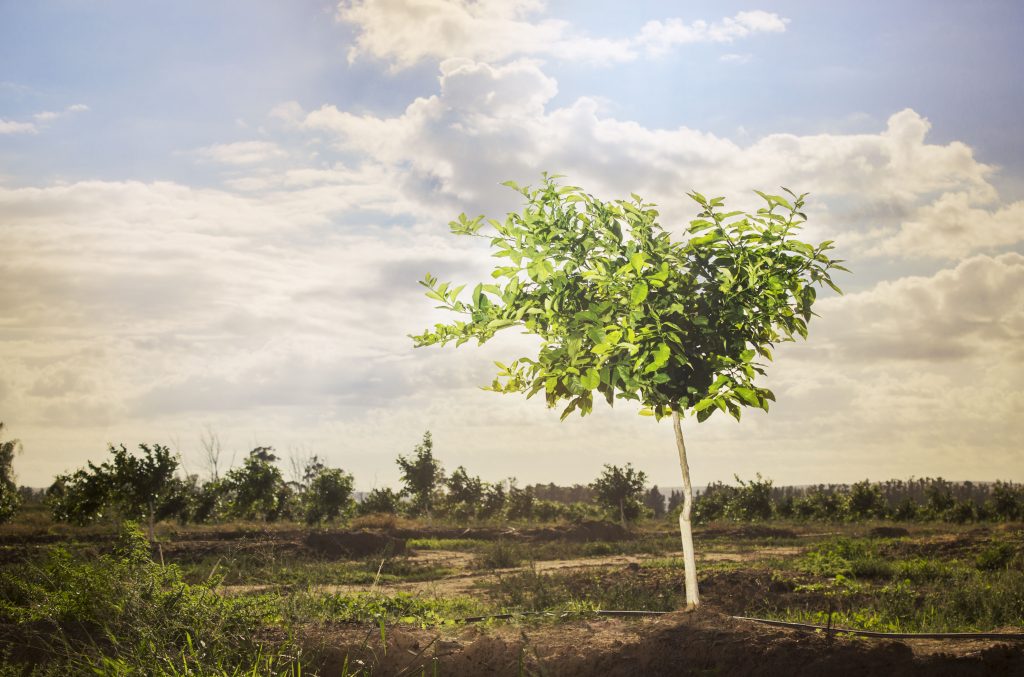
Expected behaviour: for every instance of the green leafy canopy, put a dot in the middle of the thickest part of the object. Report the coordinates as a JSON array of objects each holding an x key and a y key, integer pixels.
[{"x": 626, "y": 311}]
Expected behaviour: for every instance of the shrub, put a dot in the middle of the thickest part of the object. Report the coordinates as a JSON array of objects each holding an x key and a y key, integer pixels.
[
  {"x": 519, "y": 505},
  {"x": 10, "y": 499},
  {"x": 996, "y": 556},
  {"x": 501, "y": 554},
  {"x": 328, "y": 496},
  {"x": 751, "y": 501},
  {"x": 866, "y": 501},
  {"x": 712, "y": 503},
  {"x": 906, "y": 510},
  {"x": 380, "y": 501},
  {"x": 1007, "y": 501},
  {"x": 257, "y": 489}
]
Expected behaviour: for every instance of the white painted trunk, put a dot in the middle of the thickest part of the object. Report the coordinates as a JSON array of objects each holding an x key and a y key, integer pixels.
[{"x": 685, "y": 528}]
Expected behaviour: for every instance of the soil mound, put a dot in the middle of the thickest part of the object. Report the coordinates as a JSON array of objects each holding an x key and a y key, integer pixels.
[
  {"x": 888, "y": 532},
  {"x": 352, "y": 545},
  {"x": 583, "y": 532}
]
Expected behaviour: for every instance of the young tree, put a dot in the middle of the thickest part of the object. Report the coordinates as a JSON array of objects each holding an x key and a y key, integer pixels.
[
  {"x": 134, "y": 485},
  {"x": 421, "y": 475},
  {"x": 9, "y": 497},
  {"x": 655, "y": 501},
  {"x": 380, "y": 501},
  {"x": 141, "y": 484},
  {"x": 520, "y": 502},
  {"x": 675, "y": 499},
  {"x": 257, "y": 488},
  {"x": 465, "y": 493},
  {"x": 79, "y": 497},
  {"x": 624, "y": 310},
  {"x": 620, "y": 488},
  {"x": 866, "y": 500},
  {"x": 328, "y": 493}
]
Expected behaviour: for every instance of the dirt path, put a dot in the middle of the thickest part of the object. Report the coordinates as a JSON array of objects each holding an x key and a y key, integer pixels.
[{"x": 469, "y": 578}]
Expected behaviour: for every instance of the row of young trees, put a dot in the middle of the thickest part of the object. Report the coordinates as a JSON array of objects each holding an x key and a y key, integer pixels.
[
  {"x": 902, "y": 500},
  {"x": 148, "y": 486}
]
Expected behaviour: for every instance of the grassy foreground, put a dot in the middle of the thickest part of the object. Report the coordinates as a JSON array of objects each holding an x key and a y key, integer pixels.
[{"x": 110, "y": 604}]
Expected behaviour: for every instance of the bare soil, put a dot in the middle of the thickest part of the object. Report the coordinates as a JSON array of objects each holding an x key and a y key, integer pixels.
[{"x": 699, "y": 643}]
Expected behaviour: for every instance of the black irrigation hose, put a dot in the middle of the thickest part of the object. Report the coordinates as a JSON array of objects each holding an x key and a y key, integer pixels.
[
  {"x": 766, "y": 621},
  {"x": 887, "y": 635}
]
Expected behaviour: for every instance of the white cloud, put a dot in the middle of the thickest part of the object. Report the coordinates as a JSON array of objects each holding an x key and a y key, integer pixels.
[
  {"x": 952, "y": 227},
  {"x": 889, "y": 193},
  {"x": 972, "y": 311},
  {"x": 917, "y": 375},
  {"x": 42, "y": 117},
  {"x": 738, "y": 59},
  {"x": 407, "y": 31},
  {"x": 241, "y": 152},
  {"x": 14, "y": 127},
  {"x": 658, "y": 37}
]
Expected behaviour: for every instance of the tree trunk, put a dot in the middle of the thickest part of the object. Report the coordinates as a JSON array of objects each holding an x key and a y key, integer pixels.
[
  {"x": 622, "y": 512},
  {"x": 685, "y": 530}
]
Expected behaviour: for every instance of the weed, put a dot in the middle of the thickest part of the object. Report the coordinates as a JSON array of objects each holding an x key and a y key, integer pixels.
[
  {"x": 501, "y": 554},
  {"x": 379, "y": 608},
  {"x": 122, "y": 613}
]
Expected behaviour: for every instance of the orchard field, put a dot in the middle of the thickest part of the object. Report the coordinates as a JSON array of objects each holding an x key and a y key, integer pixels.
[{"x": 390, "y": 594}]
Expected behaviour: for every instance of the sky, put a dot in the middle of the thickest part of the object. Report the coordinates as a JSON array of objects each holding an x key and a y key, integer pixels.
[{"x": 214, "y": 216}]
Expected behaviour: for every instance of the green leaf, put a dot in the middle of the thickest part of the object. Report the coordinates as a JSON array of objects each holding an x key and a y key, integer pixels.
[
  {"x": 638, "y": 293},
  {"x": 637, "y": 261},
  {"x": 660, "y": 355},
  {"x": 703, "y": 404},
  {"x": 748, "y": 396}
]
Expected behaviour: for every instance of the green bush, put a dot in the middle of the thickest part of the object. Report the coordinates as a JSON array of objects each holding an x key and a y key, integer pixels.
[
  {"x": 996, "y": 556},
  {"x": 380, "y": 501},
  {"x": 751, "y": 501}
]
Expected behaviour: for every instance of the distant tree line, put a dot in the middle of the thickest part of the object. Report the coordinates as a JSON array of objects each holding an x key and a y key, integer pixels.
[
  {"x": 148, "y": 485},
  {"x": 900, "y": 500}
]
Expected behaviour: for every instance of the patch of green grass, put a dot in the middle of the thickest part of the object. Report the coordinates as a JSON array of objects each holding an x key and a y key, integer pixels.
[
  {"x": 249, "y": 570},
  {"x": 927, "y": 570},
  {"x": 997, "y": 556},
  {"x": 502, "y": 554},
  {"x": 532, "y": 590},
  {"x": 121, "y": 613},
  {"x": 376, "y": 608},
  {"x": 936, "y": 597}
]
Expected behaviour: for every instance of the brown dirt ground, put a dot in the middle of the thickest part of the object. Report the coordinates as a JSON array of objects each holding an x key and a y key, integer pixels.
[
  {"x": 700, "y": 643},
  {"x": 468, "y": 579}
]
